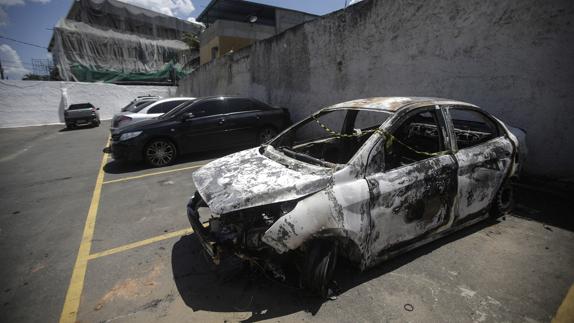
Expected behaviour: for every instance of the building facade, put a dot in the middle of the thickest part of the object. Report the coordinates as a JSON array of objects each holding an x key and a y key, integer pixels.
[
  {"x": 234, "y": 24},
  {"x": 111, "y": 41}
]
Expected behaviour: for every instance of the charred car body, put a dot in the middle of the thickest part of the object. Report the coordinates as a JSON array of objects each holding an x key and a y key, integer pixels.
[{"x": 367, "y": 179}]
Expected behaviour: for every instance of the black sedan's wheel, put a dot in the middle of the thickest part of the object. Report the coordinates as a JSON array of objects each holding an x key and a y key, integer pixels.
[
  {"x": 160, "y": 153},
  {"x": 319, "y": 266},
  {"x": 503, "y": 201},
  {"x": 265, "y": 135}
]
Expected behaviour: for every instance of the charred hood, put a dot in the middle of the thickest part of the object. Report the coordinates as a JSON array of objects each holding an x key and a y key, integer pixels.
[{"x": 249, "y": 178}]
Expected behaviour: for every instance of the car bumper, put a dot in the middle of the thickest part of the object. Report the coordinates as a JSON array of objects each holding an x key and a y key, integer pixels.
[
  {"x": 128, "y": 151},
  {"x": 82, "y": 120},
  {"x": 202, "y": 233}
]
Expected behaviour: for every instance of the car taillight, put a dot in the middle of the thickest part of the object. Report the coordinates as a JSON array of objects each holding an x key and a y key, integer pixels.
[{"x": 93, "y": 109}]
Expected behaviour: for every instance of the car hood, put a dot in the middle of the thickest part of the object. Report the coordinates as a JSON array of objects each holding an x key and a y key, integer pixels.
[{"x": 249, "y": 178}]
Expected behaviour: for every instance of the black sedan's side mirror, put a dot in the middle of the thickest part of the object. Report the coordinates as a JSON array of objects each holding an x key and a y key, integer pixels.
[{"x": 187, "y": 116}]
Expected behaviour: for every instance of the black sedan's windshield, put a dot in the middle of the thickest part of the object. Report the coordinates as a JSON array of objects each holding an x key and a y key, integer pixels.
[{"x": 331, "y": 136}]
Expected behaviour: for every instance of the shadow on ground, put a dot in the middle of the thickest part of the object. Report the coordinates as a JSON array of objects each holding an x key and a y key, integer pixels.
[
  {"x": 544, "y": 207},
  {"x": 205, "y": 287},
  {"x": 66, "y": 129},
  {"x": 122, "y": 167}
]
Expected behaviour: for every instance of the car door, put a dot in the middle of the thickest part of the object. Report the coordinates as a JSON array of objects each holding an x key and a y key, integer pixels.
[
  {"x": 412, "y": 181},
  {"x": 483, "y": 154},
  {"x": 206, "y": 129},
  {"x": 243, "y": 121}
]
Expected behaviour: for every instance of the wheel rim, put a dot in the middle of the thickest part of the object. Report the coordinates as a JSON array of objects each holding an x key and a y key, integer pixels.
[
  {"x": 160, "y": 153},
  {"x": 266, "y": 135}
]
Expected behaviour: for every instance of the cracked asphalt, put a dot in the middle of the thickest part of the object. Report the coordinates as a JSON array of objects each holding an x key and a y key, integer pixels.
[{"x": 144, "y": 266}]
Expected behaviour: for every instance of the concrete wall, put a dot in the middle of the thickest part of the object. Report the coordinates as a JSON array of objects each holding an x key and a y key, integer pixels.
[
  {"x": 32, "y": 103},
  {"x": 513, "y": 58}
]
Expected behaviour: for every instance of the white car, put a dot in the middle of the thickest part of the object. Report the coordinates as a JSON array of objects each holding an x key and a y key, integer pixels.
[{"x": 150, "y": 111}]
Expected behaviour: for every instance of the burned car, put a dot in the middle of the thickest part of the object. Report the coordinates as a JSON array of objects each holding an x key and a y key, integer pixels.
[{"x": 365, "y": 179}]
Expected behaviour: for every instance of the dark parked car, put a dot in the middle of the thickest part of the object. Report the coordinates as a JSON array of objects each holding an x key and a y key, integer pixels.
[
  {"x": 81, "y": 114},
  {"x": 200, "y": 125},
  {"x": 366, "y": 179}
]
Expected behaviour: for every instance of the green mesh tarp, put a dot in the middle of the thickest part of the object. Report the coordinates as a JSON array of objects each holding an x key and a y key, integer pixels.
[{"x": 169, "y": 73}]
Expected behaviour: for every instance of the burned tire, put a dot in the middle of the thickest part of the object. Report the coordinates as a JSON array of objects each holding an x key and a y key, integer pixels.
[
  {"x": 159, "y": 153},
  {"x": 265, "y": 135},
  {"x": 319, "y": 266},
  {"x": 503, "y": 200}
]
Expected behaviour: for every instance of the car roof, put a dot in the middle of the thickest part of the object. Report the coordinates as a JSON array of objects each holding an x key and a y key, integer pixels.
[{"x": 394, "y": 104}]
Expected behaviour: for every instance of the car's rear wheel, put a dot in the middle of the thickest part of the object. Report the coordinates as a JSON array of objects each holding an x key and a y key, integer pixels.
[
  {"x": 319, "y": 266},
  {"x": 160, "y": 152},
  {"x": 503, "y": 201},
  {"x": 265, "y": 135}
]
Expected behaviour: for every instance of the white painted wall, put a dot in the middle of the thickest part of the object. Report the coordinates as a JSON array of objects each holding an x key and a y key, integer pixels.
[{"x": 34, "y": 103}]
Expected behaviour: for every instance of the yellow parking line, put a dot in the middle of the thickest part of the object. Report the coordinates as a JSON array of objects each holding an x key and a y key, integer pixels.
[
  {"x": 151, "y": 174},
  {"x": 74, "y": 293},
  {"x": 140, "y": 243},
  {"x": 565, "y": 312}
]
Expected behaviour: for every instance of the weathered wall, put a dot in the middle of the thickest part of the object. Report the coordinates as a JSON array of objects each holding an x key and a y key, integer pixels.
[
  {"x": 32, "y": 103},
  {"x": 513, "y": 58}
]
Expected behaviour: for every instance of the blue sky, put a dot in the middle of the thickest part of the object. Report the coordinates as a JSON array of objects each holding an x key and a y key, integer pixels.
[{"x": 31, "y": 20}]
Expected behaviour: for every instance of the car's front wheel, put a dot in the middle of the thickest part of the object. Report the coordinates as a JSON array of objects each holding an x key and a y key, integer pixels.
[
  {"x": 160, "y": 152},
  {"x": 319, "y": 266}
]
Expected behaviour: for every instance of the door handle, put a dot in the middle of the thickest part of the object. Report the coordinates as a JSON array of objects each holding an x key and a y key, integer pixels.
[
  {"x": 221, "y": 121},
  {"x": 257, "y": 117}
]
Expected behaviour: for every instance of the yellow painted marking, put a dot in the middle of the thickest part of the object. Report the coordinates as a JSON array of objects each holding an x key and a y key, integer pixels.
[
  {"x": 565, "y": 312},
  {"x": 72, "y": 302},
  {"x": 140, "y": 243},
  {"x": 151, "y": 174}
]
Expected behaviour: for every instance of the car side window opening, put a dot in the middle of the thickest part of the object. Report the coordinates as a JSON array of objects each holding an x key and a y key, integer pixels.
[
  {"x": 207, "y": 108},
  {"x": 240, "y": 105},
  {"x": 330, "y": 137},
  {"x": 471, "y": 127},
  {"x": 417, "y": 138}
]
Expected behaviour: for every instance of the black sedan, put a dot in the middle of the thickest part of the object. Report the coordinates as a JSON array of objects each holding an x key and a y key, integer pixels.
[{"x": 204, "y": 124}]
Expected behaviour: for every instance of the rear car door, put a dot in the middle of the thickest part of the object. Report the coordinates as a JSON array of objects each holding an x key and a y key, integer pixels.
[
  {"x": 412, "y": 181},
  {"x": 243, "y": 120},
  {"x": 484, "y": 156},
  {"x": 206, "y": 129}
]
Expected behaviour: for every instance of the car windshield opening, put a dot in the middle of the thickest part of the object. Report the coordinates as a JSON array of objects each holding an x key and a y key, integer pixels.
[{"x": 330, "y": 137}]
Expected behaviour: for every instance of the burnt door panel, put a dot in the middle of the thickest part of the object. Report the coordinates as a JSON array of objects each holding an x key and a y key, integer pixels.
[
  {"x": 410, "y": 202},
  {"x": 483, "y": 156},
  {"x": 481, "y": 171}
]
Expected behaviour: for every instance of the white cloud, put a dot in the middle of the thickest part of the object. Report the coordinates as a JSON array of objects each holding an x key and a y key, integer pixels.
[
  {"x": 177, "y": 8},
  {"x": 12, "y": 64}
]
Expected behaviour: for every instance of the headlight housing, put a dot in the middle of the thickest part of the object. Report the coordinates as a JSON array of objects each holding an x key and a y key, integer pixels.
[{"x": 129, "y": 135}]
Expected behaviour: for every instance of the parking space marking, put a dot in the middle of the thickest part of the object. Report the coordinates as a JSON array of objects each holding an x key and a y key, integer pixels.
[
  {"x": 565, "y": 312},
  {"x": 140, "y": 243},
  {"x": 74, "y": 293},
  {"x": 151, "y": 174}
]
